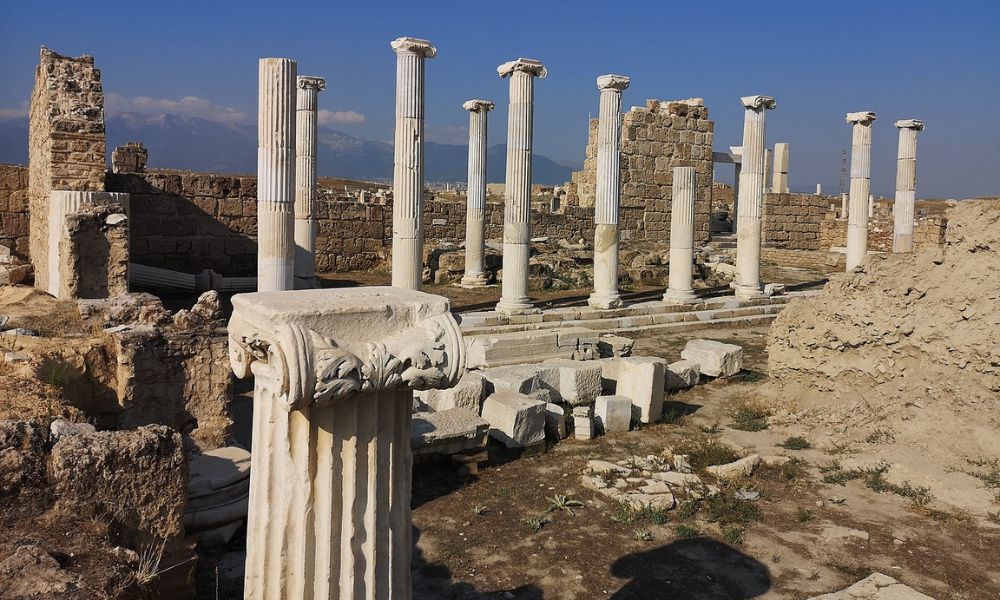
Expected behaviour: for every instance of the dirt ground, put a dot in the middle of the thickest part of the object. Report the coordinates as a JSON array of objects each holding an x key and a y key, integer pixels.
[{"x": 802, "y": 537}]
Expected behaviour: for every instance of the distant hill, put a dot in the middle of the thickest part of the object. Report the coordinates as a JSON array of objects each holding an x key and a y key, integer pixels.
[{"x": 179, "y": 142}]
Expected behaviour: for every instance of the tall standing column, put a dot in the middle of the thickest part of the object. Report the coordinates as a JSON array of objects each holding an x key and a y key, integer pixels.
[
  {"x": 780, "y": 181},
  {"x": 305, "y": 179},
  {"x": 768, "y": 161},
  {"x": 861, "y": 169},
  {"x": 276, "y": 175},
  {"x": 906, "y": 185},
  {"x": 408, "y": 171},
  {"x": 334, "y": 373},
  {"x": 751, "y": 197},
  {"x": 475, "y": 217},
  {"x": 681, "y": 290},
  {"x": 517, "y": 190},
  {"x": 608, "y": 193}
]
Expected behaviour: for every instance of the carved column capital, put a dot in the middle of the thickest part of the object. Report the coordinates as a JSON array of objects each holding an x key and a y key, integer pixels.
[
  {"x": 477, "y": 105},
  {"x": 915, "y": 124},
  {"x": 612, "y": 82},
  {"x": 307, "y": 82},
  {"x": 864, "y": 117},
  {"x": 527, "y": 65},
  {"x": 414, "y": 45},
  {"x": 765, "y": 102}
]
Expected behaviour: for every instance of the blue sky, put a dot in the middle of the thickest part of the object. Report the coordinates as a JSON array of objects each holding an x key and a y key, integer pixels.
[{"x": 938, "y": 61}]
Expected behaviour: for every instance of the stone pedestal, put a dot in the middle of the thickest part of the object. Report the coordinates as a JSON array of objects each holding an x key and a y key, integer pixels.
[
  {"x": 276, "y": 174},
  {"x": 87, "y": 253},
  {"x": 906, "y": 185},
  {"x": 333, "y": 372},
  {"x": 861, "y": 168},
  {"x": 408, "y": 170},
  {"x": 751, "y": 197},
  {"x": 608, "y": 193},
  {"x": 780, "y": 181},
  {"x": 475, "y": 226},
  {"x": 680, "y": 290},
  {"x": 305, "y": 179},
  {"x": 517, "y": 189}
]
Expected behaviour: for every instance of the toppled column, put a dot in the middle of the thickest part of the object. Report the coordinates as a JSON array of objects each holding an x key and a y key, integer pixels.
[
  {"x": 680, "y": 289},
  {"x": 475, "y": 218},
  {"x": 906, "y": 184},
  {"x": 608, "y": 193},
  {"x": 780, "y": 181},
  {"x": 276, "y": 174},
  {"x": 334, "y": 373},
  {"x": 751, "y": 197},
  {"x": 305, "y": 179},
  {"x": 408, "y": 171},
  {"x": 517, "y": 189},
  {"x": 861, "y": 169}
]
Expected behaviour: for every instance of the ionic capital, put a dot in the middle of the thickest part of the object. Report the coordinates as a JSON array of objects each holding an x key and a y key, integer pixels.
[
  {"x": 612, "y": 82},
  {"x": 765, "y": 102},
  {"x": 478, "y": 105},
  {"x": 528, "y": 65},
  {"x": 864, "y": 117},
  {"x": 307, "y": 82},
  {"x": 915, "y": 124},
  {"x": 414, "y": 45}
]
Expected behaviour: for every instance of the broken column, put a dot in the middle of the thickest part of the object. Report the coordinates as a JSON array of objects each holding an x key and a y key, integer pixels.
[
  {"x": 861, "y": 168},
  {"x": 608, "y": 193},
  {"x": 517, "y": 189},
  {"x": 680, "y": 289},
  {"x": 780, "y": 181},
  {"x": 305, "y": 179},
  {"x": 906, "y": 184},
  {"x": 408, "y": 171},
  {"x": 475, "y": 217},
  {"x": 334, "y": 373},
  {"x": 751, "y": 197},
  {"x": 276, "y": 174}
]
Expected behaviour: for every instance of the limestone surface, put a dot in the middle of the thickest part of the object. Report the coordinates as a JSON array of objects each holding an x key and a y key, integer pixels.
[
  {"x": 715, "y": 359},
  {"x": 613, "y": 413},
  {"x": 681, "y": 374},
  {"x": 515, "y": 420},
  {"x": 875, "y": 587},
  {"x": 579, "y": 381},
  {"x": 640, "y": 379}
]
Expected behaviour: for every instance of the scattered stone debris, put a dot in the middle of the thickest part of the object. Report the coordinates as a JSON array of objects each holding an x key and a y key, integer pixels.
[{"x": 713, "y": 358}]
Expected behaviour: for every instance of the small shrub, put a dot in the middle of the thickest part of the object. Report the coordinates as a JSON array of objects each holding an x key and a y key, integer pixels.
[
  {"x": 803, "y": 515},
  {"x": 713, "y": 428},
  {"x": 643, "y": 535},
  {"x": 688, "y": 509},
  {"x": 535, "y": 524},
  {"x": 749, "y": 417},
  {"x": 686, "y": 532},
  {"x": 881, "y": 436},
  {"x": 795, "y": 443},
  {"x": 54, "y": 374},
  {"x": 733, "y": 534},
  {"x": 479, "y": 510},
  {"x": 792, "y": 470},
  {"x": 673, "y": 415},
  {"x": 706, "y": 452},
  {"x": 564, "y": 503},
  {"x": 724, "y": 508}
]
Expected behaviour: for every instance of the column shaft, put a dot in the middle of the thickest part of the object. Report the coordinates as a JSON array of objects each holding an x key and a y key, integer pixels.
[
  {"x": 305, "y": 179},
  {"x": 681, "y": 289},
  {"x": 475, "y": 218},
  {"x": 276, "y": 174},
  {"x": 751, "y": 197},
  {"x": 780, "y": 182},
  {"x": 906, "y": 185},
  {"x": 857, "y": 215}
]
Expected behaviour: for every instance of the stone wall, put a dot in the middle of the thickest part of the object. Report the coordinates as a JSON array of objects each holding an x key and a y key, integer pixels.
[
  {"x": 14, "y": 209},
  {"x": 927, "y": 231},
  {"x": 792, "y": 221}
]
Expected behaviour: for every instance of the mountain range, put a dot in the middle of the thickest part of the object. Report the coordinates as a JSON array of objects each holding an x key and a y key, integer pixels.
[{"x": 180, "y": 142}]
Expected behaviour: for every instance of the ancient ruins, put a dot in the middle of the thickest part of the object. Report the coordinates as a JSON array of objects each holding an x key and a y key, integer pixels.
[{"x": 278, "y": 385}]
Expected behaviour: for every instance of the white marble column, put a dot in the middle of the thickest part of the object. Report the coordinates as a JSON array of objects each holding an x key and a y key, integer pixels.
[
  {"x": 751, "y": 197},
  {"x": 906, "y": 184},
  {"x": 843, "y": 206},
  {"x": 334, "y": 373},
  {"x": 517, "y": 190},
  {"x": 607, "y": 193},
  {"x": 475, "y": 216},
  {"x": 681, "y": 290},
  {"x": 768, "y": 161},
  {"x": 779, "y": 183},
  {"x": 276, "y": 174},
  {"x": 408, "y": 172},
  {"x": 305, "y": 179},
  {"x": 861, "y": 168}
]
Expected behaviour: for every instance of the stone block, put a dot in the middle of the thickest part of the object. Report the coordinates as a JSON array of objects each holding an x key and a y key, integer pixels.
[
  {"x": 613, "y": 413},
  {"x": 579, "y": 381},
  {"x": 583, "y": 424},
  {"x": 468, "y": 393},
  {"x": 447, "y": 432},
  {"x": 614, "y": 346},
  {"x": 681, "y": 374},
  {"x": 515, "y": 420},
  {"x": 522, "y": 379},
  {"x": 640, "y": 379},
  {"x": 555, "y": 421},
  {"x": 715, "y": 359},
  {"x": 743, "y": 467}
]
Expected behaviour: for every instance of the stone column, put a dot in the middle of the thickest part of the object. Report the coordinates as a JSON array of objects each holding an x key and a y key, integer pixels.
[
  {"x": 305, "y": 179},
  {"x": 475, "y": 217},
  {"x": 275, "y": 174},
  {"x": 906, "y": 185},
  {"x": 334, "y": 373},
  {"x": 768, "y": 161},
  {"x": 780, "y": 182},
  {"x": 751, "y": 197},
  {"x": 737, "y": 153},
  {"x": 517, "y": 189},
  {"x": 680, "y": 290},
  {"x": 843, "y": 206},
  {"x": 408, "y": 171},
  {"x": 607, "y": 193},
  {"x": 861, "y": 168}
]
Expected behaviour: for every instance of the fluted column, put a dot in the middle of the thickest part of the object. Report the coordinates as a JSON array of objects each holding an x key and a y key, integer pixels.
[
  {"x": 768, "y": 160},
  {"x": 517, "y": 190},
  {"x": 780, "y": 182},
  {"x": 906, "y": 185},
  {"x": 608, "y": 193},
  {"x": 861, "y": 169},
  {"x": 276, "y": 174},
  {"x": 751, "y": 197},
  {"x": 408, "y": 171},
  {"x": 305, "y": 179},
  {"x": 681, "y": 290},
  {"x": 475, "y": 217},
  {"x": 334, "y": 373}
]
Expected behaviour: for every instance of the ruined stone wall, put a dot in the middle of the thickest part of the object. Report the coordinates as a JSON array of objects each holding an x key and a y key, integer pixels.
[
  {"x": 66, "y": 145},
  {"x": 927, "y": 231},
  {"x": 792, "y": 221},
  {"x": 14, "y": 209},
  {"x": 806, "y": 259},
  {"x": 655, "y": 139},
  {"x": 94, "y": 255}
]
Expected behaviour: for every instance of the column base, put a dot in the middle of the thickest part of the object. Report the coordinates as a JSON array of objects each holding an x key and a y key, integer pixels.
[
  {"x": 474, "y": 280},
  {"x": 902, "y": 243},
  {"x": 749, "y": 292},
  {"x": 519, "y": 306},
  {"x": 604, "y": 302},
  {"x": 679, "y": 297}
]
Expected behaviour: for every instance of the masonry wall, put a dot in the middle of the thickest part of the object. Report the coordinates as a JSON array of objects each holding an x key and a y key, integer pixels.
[
  {"x": 792, "y": 221},
  {"x": 927, "y": 231},
  {"x": 14, "y": 209}
]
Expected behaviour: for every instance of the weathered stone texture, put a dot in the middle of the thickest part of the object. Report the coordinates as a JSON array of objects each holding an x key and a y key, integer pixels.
[
  {"x": 927, "y": 231},
  {"x": 792, "y": 221},
  {"x": 94, "y": 255},
  {"x": 14, "y": 209},
  {"x": 130, "y": 158}
]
